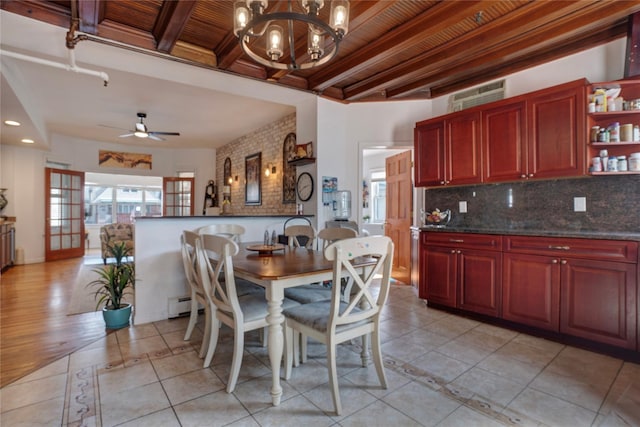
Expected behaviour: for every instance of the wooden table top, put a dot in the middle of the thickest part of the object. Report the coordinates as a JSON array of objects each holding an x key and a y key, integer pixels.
[{"x": 281, "y": 264}]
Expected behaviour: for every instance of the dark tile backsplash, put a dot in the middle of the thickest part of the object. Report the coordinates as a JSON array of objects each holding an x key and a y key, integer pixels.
[{"x": 613, "y": 205}]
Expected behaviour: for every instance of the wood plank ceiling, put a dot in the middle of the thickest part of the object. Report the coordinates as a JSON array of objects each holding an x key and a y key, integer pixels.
[{"x": 393, "y": 50}]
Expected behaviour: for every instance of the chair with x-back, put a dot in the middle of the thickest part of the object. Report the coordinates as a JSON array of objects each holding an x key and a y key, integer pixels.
[
  {"x": 198, "y": 297},
  {"x": 234, "y": 232},
  {"x": 336, "y": 321},
  {"x": 295, "y": 232},
  {"x": 240, "y": 313}
]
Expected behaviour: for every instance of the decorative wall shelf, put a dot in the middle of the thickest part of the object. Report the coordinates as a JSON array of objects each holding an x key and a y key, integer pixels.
[{"x": 302, "y": 161}]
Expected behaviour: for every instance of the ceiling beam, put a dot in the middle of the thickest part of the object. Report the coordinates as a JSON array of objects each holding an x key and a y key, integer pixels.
[
  {"x": 517, "y": 52},
  {"x": 171, "y": 21},
  {"x": 436, "y": 18},
  {"x": 90, "y": 14},
  {"x": 470, "y": 45}
]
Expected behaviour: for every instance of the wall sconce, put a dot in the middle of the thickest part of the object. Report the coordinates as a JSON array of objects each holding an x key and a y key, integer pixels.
[
  {"x": 270, "y": 169},
  {"x": 236, "y": 178},
  {"x": 230, "y": 180}
]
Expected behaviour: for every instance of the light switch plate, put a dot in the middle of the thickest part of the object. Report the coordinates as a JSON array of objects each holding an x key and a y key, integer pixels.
[
  {"x": 579, "y": 204},
  {"x": 462, "y": 207}
]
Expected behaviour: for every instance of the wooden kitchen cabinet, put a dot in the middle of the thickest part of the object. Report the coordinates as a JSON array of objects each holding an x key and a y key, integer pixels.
[
  {"x": 556, "y": 131},
  {"x": 447, "y": 151},
  {"x": 579, "y": 287},
  {"x": 429, "y": 153},
  {"x": 504, "y": 142},
  {"x": 463, "y": 271}
]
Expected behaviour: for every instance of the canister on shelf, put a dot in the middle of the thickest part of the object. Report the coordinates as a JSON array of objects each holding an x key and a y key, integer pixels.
[
  {"x": 612, "y": 164},
  {"x": 634, "y": 162},
  {"x": 594, "y": 133},
  {"x": 622, "y": 164},
  {"x": 636, "y": 133},
  {"x": 614, "y": 132},
  {"x": 626, "y": 132},
  {"x": 596, "y": 164},
  {"x": 603, "y": 135}
]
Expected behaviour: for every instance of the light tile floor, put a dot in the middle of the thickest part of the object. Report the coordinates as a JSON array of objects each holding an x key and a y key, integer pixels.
[{"x": 443, "y": 370}]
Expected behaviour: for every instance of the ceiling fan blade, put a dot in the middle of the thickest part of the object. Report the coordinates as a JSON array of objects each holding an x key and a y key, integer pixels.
[
  {"x": 155, "y": 137},
  {"x": 126, "y": 135},
  {"x": 165, "y": 133},
  {"x": 114, "y": 127}
]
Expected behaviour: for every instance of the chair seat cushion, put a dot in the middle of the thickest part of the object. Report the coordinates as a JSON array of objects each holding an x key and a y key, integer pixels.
[
  {"x": 254, "y": 306},
  {"x": 307, "y": 294},
  {"x": 245, "y": 287},
  {"x": 316, "y": 315}
]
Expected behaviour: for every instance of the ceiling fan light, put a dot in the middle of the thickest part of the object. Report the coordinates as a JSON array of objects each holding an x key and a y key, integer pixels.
[
  {"x": 140, "y": 134},
  {"x": 339, "y": 18},
  {"x": 274, "y": 42}
]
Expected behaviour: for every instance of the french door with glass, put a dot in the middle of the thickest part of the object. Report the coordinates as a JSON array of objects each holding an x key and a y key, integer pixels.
[{"x": 64, "y": 214}]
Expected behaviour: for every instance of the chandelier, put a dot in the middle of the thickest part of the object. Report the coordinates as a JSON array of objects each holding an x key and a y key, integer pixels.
[{"x": 251, "y": 24}]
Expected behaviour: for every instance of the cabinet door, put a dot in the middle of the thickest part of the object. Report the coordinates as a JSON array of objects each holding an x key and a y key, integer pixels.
[
  {"x": 504, "y": 143},
  {"x": 440, "y": 275},
  {"x": 429, "y": 154},
  {"x": 480, "y": 281},
  {"x": 599, "y": 301},
  {"x": 531, "y": 290},
  {"x": 462, "y": 153},
  {"x": 556, "y": 133}
]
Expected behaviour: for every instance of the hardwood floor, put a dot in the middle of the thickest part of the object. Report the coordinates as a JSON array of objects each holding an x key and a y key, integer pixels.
[{"x": 35, "y": 329}]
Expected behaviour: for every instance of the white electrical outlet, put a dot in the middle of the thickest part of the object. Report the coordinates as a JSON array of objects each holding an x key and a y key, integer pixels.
[
  {"x": 462, "y": 207},
  {"x": 579, "y": 204}
]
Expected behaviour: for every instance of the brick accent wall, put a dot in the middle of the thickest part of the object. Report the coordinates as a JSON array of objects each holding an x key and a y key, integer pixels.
[{"x": 268, "y": 141}]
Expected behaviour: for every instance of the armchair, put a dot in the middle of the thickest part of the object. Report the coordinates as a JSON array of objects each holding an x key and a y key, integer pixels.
[{"x": 114, "y": 233}]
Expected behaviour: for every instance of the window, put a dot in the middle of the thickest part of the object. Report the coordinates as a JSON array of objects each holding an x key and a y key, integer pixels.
[
  {"x": 120, "y": 198},
  {"x": 378, "y": 196}
]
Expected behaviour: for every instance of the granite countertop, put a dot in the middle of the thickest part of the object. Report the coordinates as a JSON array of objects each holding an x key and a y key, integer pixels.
[{"x": 586, "y": 234}]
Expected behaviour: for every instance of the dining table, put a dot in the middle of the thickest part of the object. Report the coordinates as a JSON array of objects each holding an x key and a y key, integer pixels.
[{"x": 276, "y": 270}]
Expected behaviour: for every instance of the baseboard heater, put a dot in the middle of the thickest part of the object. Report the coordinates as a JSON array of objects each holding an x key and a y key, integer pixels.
[{"x": 179, "y": 306}]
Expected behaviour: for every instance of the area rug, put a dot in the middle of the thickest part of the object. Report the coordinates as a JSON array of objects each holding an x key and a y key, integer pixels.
[{"x": 82, "y": 298}]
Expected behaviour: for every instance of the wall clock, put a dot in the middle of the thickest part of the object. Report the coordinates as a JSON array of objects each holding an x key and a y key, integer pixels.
[{"x": 304, "y": 186}]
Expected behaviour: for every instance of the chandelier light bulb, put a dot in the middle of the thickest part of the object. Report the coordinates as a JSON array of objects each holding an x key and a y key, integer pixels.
[{"x": 274, "y": 42}]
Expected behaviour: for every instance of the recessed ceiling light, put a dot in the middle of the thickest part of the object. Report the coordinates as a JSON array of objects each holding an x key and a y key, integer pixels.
[
  {"x": 28, "y": 141},
  {"x": 11, "y": 123}
]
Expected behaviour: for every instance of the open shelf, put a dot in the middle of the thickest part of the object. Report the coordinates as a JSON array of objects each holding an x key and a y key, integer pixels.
[{"x": 302, "y": 161}]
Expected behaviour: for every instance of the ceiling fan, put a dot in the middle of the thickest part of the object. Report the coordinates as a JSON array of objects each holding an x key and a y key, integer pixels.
[{"x": 141, "y": 131}]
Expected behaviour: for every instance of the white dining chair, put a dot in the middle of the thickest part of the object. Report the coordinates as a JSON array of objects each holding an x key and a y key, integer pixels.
[
  {"x": 336, "y": 321},
  {"x": 234, "y": 232},
  {"x": 315, "y": 292},
  {"x": 293, "y": 232},
  {"x": 198, "y": 296},
  {"x": 241, "y": 313}
]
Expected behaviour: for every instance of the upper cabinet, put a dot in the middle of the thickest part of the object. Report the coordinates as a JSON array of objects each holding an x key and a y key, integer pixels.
[
  {"x": 555, "y": 119},
  {"x": 537, "y": 135},
  {"x": 447, "y": 151},
  {"x": 614, "y": 114}
]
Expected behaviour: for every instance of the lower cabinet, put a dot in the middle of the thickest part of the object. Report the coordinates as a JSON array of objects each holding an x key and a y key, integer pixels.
[
  {"x": 573, "y": 287},
  {"x": 464, "y": 271},
  {"x": 577, "y": 287}
]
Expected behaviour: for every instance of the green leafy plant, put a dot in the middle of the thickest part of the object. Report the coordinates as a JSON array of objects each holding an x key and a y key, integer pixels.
[{"x": 115, "y": 280}]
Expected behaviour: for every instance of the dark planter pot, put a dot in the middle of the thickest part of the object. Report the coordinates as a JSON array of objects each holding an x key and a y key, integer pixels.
[{"x": 117, "y": 318}]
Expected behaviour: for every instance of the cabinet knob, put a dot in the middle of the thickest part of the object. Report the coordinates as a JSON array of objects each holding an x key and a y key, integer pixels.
[
  {"x": 453, "y": 251},
  {"x": 554, "y": 261},
  {"x": 458, "y": 252},
  {"x": 442, "y": 182},
  {"x": 530, "y": 175},
  {"x": 523, "y": 176},
  {"x": 564, "y": 261}
]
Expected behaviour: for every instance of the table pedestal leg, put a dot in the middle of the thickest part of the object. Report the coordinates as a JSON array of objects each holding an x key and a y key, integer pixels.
[{"x": 275, "y": 343}]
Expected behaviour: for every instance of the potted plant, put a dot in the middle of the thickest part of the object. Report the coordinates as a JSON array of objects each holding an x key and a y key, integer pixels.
[{"x": 113, "y": 283}]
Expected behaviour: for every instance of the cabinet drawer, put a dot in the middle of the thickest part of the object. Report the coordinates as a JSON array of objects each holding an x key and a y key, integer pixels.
[
  {"x": 463, "y": 240},
  {"x": 610, "y": 250}
]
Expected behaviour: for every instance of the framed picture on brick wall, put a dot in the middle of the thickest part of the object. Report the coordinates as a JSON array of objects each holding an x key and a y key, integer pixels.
[{"x": 252, "y": 190}]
